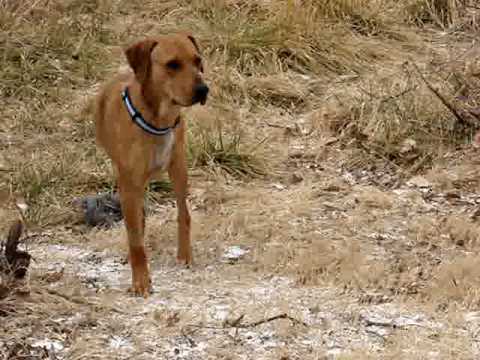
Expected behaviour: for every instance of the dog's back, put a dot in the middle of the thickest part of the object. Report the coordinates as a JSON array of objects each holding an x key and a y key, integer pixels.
[{"x": 108, "y": 110}]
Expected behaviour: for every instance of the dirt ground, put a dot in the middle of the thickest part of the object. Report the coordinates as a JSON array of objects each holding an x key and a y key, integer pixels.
[
  {"x": 248, "y": 272},
  {"x": 340, "y": 221},
  {"x": 299, "y": 261}
]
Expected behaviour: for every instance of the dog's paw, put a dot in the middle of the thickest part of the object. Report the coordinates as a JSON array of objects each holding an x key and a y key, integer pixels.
[
  {"x": 141, "y": 284},
  {"x": 141, "y": 289},
  {"x": 184, "y": 257},
  {"x": 184, "y": 261}
]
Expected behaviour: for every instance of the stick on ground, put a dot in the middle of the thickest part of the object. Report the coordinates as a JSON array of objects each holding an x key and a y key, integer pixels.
[{"x": 14, "y": 261}]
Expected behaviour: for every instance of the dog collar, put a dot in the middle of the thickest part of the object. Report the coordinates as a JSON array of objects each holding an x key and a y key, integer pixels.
[{"x": 140, "y": 121}]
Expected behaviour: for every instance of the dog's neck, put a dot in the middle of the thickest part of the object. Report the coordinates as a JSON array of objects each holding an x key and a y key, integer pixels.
[
  {"x": 158, "y": 110},
  {"x": 167, "y": 111}
]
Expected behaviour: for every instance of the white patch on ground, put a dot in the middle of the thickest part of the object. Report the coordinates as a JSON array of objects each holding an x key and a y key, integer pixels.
[
  {"x": 473, "y": 316},
  {"x": 54, "y": 345},
  {"x": 234, "y": 253},
  {"x": 118, "y": 343}
]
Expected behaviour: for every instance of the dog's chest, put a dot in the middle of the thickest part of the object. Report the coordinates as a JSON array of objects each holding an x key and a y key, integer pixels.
[{"x": 162, "y": 152}]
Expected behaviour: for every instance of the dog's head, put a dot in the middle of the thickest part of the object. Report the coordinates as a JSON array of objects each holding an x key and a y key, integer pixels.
[{"x": 169, "y": 67}]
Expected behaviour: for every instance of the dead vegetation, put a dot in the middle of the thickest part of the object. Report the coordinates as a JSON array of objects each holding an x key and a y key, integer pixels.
[
  {"x": 321, "y": 114},
  {"x": 14, "y": 263}
]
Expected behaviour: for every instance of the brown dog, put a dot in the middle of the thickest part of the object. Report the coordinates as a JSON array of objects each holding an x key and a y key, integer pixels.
[{"x": 138, "y": 124}]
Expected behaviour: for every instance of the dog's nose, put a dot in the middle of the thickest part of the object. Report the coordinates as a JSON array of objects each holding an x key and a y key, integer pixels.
[{"x": 201, "y": 92}]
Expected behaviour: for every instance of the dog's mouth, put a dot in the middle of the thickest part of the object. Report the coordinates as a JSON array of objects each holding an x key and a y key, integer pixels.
[
  {"x": 202, "y": 100},
  {"x": 194, "y": 101},
  {"x": 199, "y": 100},
  {"x": 178, "y": 103}
]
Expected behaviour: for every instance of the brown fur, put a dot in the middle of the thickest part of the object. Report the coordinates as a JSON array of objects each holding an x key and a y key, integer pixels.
[{"x": 158, "y": 89}]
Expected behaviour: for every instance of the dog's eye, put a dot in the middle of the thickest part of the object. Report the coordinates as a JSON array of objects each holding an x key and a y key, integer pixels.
[{"x": 173, "y": 65}]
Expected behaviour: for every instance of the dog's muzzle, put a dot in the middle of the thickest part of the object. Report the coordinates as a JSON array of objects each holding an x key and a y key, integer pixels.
[{"x": 200, "y": 94}]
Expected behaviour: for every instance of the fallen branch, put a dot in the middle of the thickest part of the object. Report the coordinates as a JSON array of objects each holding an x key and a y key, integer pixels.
[
  {"x": 442, "y": 98},
  {"x": 237, "y": 323},
  {"x": 389, "y": 324},
  {"x": 13, "y": 261}
]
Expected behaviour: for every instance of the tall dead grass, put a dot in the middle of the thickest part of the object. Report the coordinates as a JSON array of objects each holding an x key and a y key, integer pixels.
[
  {"x": 357, "y": 56},
  {"x": 50, "y": 53},
  {"x": 344, "y": 57}
]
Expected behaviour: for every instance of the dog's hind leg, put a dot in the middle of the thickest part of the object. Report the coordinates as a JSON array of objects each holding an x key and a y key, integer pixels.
[{"x": 178, "y": 174}]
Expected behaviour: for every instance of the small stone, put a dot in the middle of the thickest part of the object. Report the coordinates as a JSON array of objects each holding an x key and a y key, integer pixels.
[
  {"x": 234, "y": 253},
  {"x": 419, "y": 181},
  {"x": 296, "y": 178},
  {"x": 378, "y": 330},
  {"x": 408, "y": 145},
  {"x": 21, "y": 204}
]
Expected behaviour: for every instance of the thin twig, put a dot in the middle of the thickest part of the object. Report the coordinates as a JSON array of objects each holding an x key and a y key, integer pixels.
[
  {"x": 235, "y": 322},
  {"x": 272, "y": 318},
  {"x": 370, "y": 150},
  {"x": 188, "y": 338},
  {"x": 83, "y": 302},
  {"x": 277, "y": 126},
  {"x": 388, "y": 97}
]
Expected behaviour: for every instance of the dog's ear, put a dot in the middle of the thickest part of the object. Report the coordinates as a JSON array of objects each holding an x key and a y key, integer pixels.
[
  {"x": 138, "y": 56},
  {"x": 194, "y": 42}
]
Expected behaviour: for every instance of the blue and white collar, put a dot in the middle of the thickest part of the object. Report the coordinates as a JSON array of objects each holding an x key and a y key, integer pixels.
[{"x": 140, "y": 121}]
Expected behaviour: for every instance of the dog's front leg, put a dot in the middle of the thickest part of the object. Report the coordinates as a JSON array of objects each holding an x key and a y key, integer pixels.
[
  {"x": 132, "y": 202},
  {"x": 178, "y": 175}
]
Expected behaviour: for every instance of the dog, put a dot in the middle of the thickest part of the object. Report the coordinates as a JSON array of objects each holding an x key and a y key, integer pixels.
[{"x": 138, "y": 123}]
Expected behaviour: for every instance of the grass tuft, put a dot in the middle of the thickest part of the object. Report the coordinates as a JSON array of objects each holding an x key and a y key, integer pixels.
[{"x": 213, "y": 148}]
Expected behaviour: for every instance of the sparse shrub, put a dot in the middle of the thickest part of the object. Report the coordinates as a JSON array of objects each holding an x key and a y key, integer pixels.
[{"x": 443, "y": 13}]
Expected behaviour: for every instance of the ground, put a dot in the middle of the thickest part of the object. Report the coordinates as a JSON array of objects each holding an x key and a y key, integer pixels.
[{"x": 333, "y": 184}]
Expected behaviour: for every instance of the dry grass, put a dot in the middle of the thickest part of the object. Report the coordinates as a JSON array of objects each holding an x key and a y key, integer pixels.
[
  {"x": 211, "y": 146},
  {"x": 319, "y": 112},
  {"x": 284, "y": 61}
]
